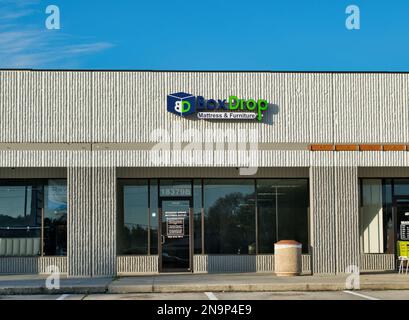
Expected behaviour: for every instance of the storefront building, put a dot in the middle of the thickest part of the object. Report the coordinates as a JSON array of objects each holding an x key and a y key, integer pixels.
[{"x": 138, "y": 172}]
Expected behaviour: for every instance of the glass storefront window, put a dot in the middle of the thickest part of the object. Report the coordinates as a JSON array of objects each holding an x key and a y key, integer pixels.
[
  {"x": 225, "y": 213},
  {"x": 371, "y": 216},
  {"x": 55, "y": 218},
  {"x": 292, "y": 211},
  {"x": 401, "y": 187},
  {"x": 20, "y": 212},
  {"x": 133, "y": 222},
  {"x": 229, "y": 207},
  {"x": 24, "y": 205},
  {"x": 267, "y": 217},
  {"x": 197, "y": 215},
  {"x": 380, "y": 198},
  {"x": 388, "y": 228},
  {"x": 154, "y": 218},
  {"x": 282, "y": 206}
]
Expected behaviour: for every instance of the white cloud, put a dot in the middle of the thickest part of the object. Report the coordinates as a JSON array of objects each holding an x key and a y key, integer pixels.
[
  {"x": 10, "y": 15},
  {"x": 88, "y": 47},
  {"x": 33, "y": 46}
]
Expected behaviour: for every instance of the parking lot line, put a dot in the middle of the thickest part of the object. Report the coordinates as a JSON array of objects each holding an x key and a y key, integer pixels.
[
  {"x": 361, "y": 295},
  {"x": 211, "y": 296},
  {"x": 62, "y": 297}
]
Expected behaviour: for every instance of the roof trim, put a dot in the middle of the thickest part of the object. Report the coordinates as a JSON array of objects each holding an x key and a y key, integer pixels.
[{"x": 202, "y": 71}]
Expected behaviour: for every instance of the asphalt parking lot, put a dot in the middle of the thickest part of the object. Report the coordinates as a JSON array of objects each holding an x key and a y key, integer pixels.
[{"x": 321, "y": 295}]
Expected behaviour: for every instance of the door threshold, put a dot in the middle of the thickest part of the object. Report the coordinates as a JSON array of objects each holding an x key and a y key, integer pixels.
[{"x": 176, "y": 272}]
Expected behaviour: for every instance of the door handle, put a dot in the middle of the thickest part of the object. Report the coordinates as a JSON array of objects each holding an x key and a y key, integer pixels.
[{"x": 162, "y": 239}]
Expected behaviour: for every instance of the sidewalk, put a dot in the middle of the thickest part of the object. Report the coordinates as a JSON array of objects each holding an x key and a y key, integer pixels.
[
  {"x": 249, "y": 282},
  {"x": 244, "y": 282}
]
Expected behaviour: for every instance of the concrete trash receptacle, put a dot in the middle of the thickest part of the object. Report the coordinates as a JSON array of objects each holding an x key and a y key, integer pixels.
[{"x": 287, "y": 258}]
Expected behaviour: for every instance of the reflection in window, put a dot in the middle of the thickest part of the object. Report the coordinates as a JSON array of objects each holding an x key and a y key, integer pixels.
[
  {"x": 133, "y": 221},
  {"x": 377, "y": 225},
  {"x": 229, "y": 207},
  {"x": 154, "y": 210},
  {"x": 229, "y": 216},
  {"x": 267, "y": 218},
  {"x": 388, "y": 227},
  {"x": 372, "y": 216},
  {"x": 292, "y": 210},
  {"x": 20, "y": 211},
  {"x": 401, "y": 187},
  {"x": 23, "y": 206},
  {"x": 55, "y": 218},
  {"x": 197, "y": 215},
  {"x": 282, "y": 212}
]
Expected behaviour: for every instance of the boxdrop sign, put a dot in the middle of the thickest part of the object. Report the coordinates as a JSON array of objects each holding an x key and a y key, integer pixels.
[{"x": 233, "y": 108}]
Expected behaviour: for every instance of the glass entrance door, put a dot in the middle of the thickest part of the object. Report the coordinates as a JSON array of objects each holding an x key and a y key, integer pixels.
[{"x": 175, "y": 235}]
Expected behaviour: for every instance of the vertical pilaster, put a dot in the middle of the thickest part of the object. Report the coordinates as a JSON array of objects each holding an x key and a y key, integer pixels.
[
  {"x": 91, "y": 221},
  {"x": 104, "y": 221},
  {"x": 323, "y": 212},
  {"x": 335, "y": 219},
  {"x": 347, "y": 217},
  {"x": 79, "y": 224}
]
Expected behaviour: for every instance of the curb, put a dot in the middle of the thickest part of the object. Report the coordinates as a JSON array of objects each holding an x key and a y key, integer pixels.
[
  {"x": 45, "y": 291},
  {"x": 125, "y": 289},
  {"x": 174, "y": 288},
  {"x": 386, "y": 286}
]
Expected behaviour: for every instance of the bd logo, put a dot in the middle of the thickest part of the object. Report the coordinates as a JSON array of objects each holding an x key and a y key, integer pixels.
[
  {"x": 181, "y": 103},
  {"x": 184, "y": 104}
]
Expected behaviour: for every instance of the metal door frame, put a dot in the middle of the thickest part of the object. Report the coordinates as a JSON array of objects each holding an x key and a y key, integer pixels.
[
  {"x": 395, "y": 215},
  {"x": 191, "y": 239}
]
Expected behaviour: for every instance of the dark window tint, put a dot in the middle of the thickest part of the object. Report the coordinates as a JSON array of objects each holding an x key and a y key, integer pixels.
[
  {"x": 282, "y": 212},
  {"x": 133, "y": 219},
  {"x": 23, "y": 207},
  {"x": 267, "y": 217},
  {"x": 229, "y": 216},
  {"x": 55, "y": 217},
  {"x": 197, "y": 215},
  {"x": 292, "y": 210},
  {"x": 20, "y": 210},
  {"x": 154, "y": 212},
  {"x": 401, "y": 187}
]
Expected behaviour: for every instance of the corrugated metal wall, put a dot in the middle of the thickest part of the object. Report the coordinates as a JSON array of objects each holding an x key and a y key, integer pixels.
[
  {"x": 78, "y": 110},
  {"x": 104, "y": 221},
  {"x": 128, "y": 107},
  {"x": 98, "y": 106},
  {"x": 79, "y": 222},
  {"x": 346, "y": 218},
  {"x": 323, "y": 216},
  {"x": 370, "y": 108},
  {"x": 208, "y": 264},
  {"x": 378, "y": 262},
  {"x": 241, "y": 263},
  {"x": 91, "y": 221},
  {"x": 32, "y": 265},
  {"x": 137, "y": 264}
]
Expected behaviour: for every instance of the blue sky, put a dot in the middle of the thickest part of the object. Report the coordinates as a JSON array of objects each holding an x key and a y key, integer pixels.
[{"x": 290, "y": 35}]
